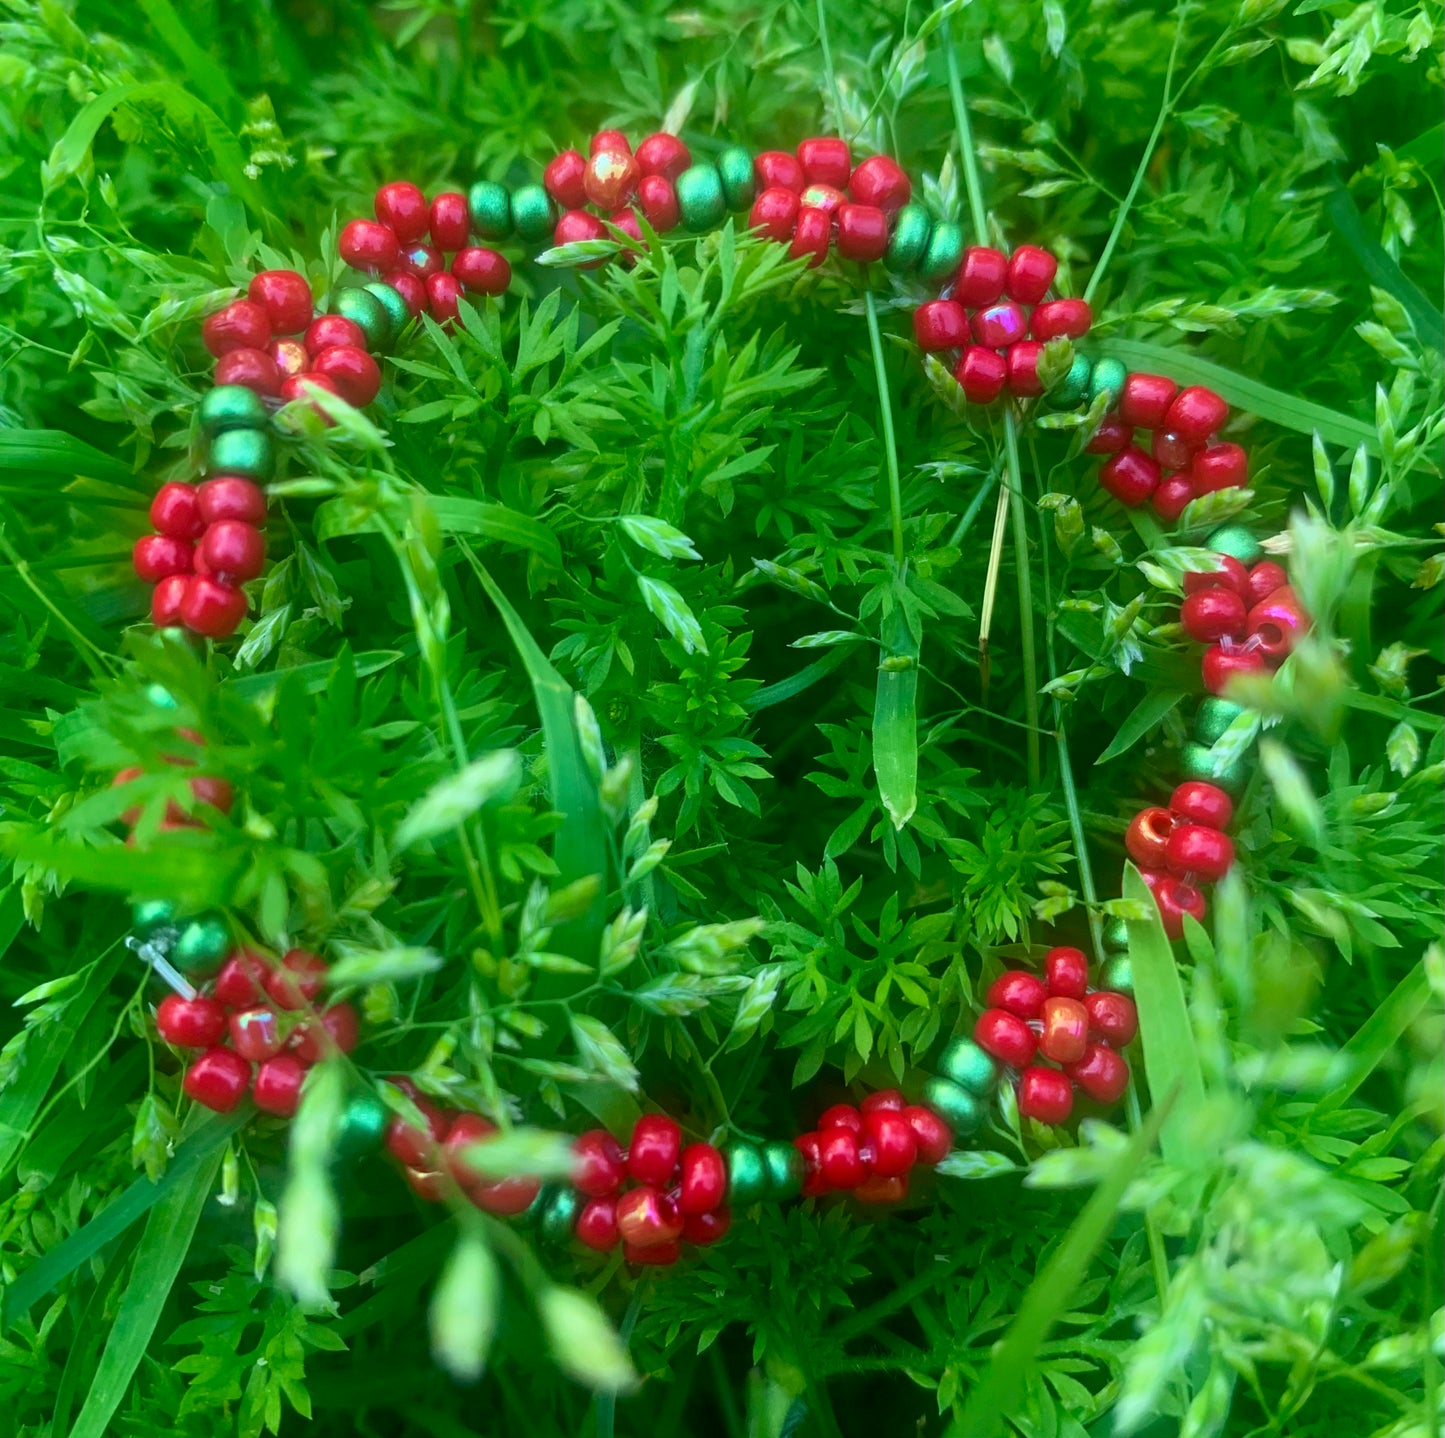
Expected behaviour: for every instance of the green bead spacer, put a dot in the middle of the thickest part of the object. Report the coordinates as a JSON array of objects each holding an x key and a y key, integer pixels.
[
  {"x": 1116, "y": 934},
  {"x": 784, "y": 1165},
  {"x": 203, "y": 943},
  {"x": 909, "y": 241},
  {"x": 1074, "y": 385},
  {"x": 391, "y": 301},
  {"x": 231, "y": 406},
  {"x": 250, "y": 453},
  {"x": 557, "y": 1210},
  {"x": 1197, "y": 761},
  {"x": 735, "y": 168},
  {"x": 361, "y": 1127},
  {"x": 1214, "y": 718},
  {"x": 747, "y": 1174},
  {"x": 363, "y": 308},
  {"x": 962, "y": 1111},
  {"x": 1118, "y": 975},
  {"x": 966, "y": 1064},
  {"x": 1108, "y": 377},
  {"x": 700, "y": 197},
  {"x": 1237, "y": 542},
  {"x": 532, "y": 213},
  {"x": 944, "y": 252},
  {"x": 491, "y": 208},
  {"x": 149, "y": 914}
]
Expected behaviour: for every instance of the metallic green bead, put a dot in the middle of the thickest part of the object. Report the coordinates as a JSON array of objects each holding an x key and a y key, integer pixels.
[
  {"x": 203, "y": 943},
  {"x": 909, "y": 241},
  {"x": 1118, "y": 974},
  {"x": 557, "y": 1210},
  {"x": 160, "y": 696},
  {"x": 1214, "y": 717},
  {"x": 491, "y": 208},
  {"x": 148, "y": 914},
  {"x": 391, "y": 301},
  {"x": 1109, "y": 376},
  {"x": 1237, "y": 542},
  {"x": 735, "y": 168},
  {"x": 231, "y": 406},
  {"x": 962, "y": 1111},
  {"x": 363, "y": 308},
  {"x": 944, "y": 252},
  {"x": 362, "y": 1126},
  {"x": 1074, "y": 385},
  {"x": 785, "y": 1170},
  {"x": 1116, "y": 934},
  {"x": 251, "y": 453},
  {"x": 1197, "y": 761},
  {"x": 700, "y": 197},
  {"x": 969, "y": 1067},
  {"x": 532, "y": 213},
  {"x": 747, "y": 1174}
]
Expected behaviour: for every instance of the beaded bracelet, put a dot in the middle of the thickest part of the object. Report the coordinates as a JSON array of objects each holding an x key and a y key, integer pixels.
[{"x": 1001, "y": 332}]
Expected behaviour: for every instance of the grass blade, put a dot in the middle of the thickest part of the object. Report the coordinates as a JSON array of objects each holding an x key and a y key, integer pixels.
[
  {"x": 52, "y": 451},
  {"x": 895, "y": 721},
  {"x": 795, "y": 684},
  {"x": 1379, "y": 1034},
  {"x": 1147, "y": 713},
  {"x": 207, "y": 76},
  {"x": 454, "y": 515}
]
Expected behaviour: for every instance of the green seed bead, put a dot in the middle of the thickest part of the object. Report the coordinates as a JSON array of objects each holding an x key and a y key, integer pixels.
[
  {"x": 363, "y": 308},
  {"x": 909, "y": 242},
  {"x": 747, "y": 1174},
  {"x": 203, "y": 943},
  {"x": 969, "y": 1067},
  {"x": 944, "y": 252},
  {"x": 1237, "y": 542},
  {"x": 231, "y": 406},
  {"x": 491, "y": 208},
  {"x": 700, "y": 197},
  {"x": 160, "y": 696},
  {"x": 361, "y": 1127},
  {"x": 391, "y": 301},
  {"x": 735, "y": 168},
  {"x": 1214, "y": 717},
  {"x": 1108, "y": 377},
  {"x": 785, "y": 1170},
  {"x": 149, "y": 914},
  {"x": 1118, "y": 974},
  {"x": 251, "y": 453},
  {"x": 557, "y": 1210},
  {"x": 532, "y": 213},
  {"x": 1074, "y": 385},
  {"x": 962, "y": 1111},
  {"x": 1116, "y": 934},
  {"x": 1197, "y": 761}
]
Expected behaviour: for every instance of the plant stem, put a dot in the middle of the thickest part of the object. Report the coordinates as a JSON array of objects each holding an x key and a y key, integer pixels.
[
  {"x": 890, "y": 445},
  {"x": 967, "y": 156},
  {"x": 1019, "y": 525},
  {"x": 828, "y": 72}
]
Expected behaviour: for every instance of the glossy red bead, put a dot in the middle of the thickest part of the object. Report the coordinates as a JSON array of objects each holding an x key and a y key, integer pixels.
[
  {"x": 298, "y": 388},
  {"x": 352, "y": 370},
  {"x": 427, "y": 1183},
  {"x": 1066, "y": 970},
  {"x": 981, "y": 276},
  {"x": 411, "y": 287},
  {"x": 442, "y": 293},
  {"x": 1113, "y": 1018},
  {"x": 890, "y": 1136},
  {"x": 253, "y": 369},
  {"x": 823, "y": 197},
  {"x": 1176, "y": 898},
  {"x": 286, "y": 298},
  {"x": 1111, "y": 436},
  {"x": 653, "y": 1152},
  {"x": 1148, "y": 835},
  {"x": 1171, "y": 450},
  {"x": 1145, "y": 400},
  {"x": 811, "y": 235},
  {"x": 230, "y": 497},
  {"x": 707, "y": 1228},
  {"x": 883, "y": 1100},
  {"x": 1264, "y": 578},
  {"x": 862, "y": 232},
  {"x": 482, "y": 270},
  {"x": 564, "y": 178},
  {"x": 839, "y": 1160},
  {"x": 1018, "y": 992},
  {"x": 1195, "y": 413},
  {"x": 243, "y": 324},
  {"x": 657, "y": 199},
  {"x": 841, "y": 1115},
  {"x": 508, "y": 1196},
  {"x": 1172, "y": 497},
  {"x": 1213, "y": 614},
  {"x": 167, "y": 600},
  {"x": 210, "y": 608},
  {"x": 196, "y": 1023},
  {"x": 1045, "y": 1095},
  {"x": 240, "y": 980},
  {"x": 1061, "y": 317},
  {"x": 1221, "y": 466},
  {"x": 1102, "y": 1074},
  {"x": 596, "y": 1226},
  {"x": 464, "y": 1132},
  {"x": 277, "y": 1088},
  {"x": 218, "y": 1079},
  {"x": 932, "y": 1136},
  {"x": 256, "y": 1033},
  {"x": 1005, "y": 1036},
  {"x": 337, "y": 1030},
  {"x": 777, "y": 169},
  {"x": 626, "y": 221},
  {"x": 413, "y": 1146},
  {"x": 1220, "y": 665},
  {"x": 402, "y": 208},
  {"x": 450, "y": 224},
  {"x": 600, "y": 1165},
  {"x": 422, "y": 260},
  {"x": 367, "y": 245},
  {"x": 1276, "y": 623},
  {"x": 1131, "y": 476},
  {"x": 1022, "y": 362},
  {"x": 774, "y": 213},
  {"x": 1065, "y": 1030},
  {"x": 1196, "y": 851},
  {"x": 881, "y": 1188},
  {"x": 157, "y": 556},
  {"x": 577, "y": 225},
  {"x": 810, "y": 1146},
  {"x": 940, "y": 325},
  {"x": 289, "y": 357},
  {"x": 826, "y": 161},
  {"x": 664, "y": 155},
  {"x": 326, "y": 331},
  {"x": 879, "y": 180},
  {"x": 1030, "y": 273},
  {"x": 233, "y": 550},
  {"x": 210, "y": 790},
  {"x": 704, "y": 1179},
  {"x": 657, "y": 1255},
  {"x": 1202, "y": 803},
  {"x": 646, "y": 1217},
  {"x": 981, "y": 374},
  {"x": 297, "y": 980},
  {"x": 1232, "y": 576},
  {"x": 610, "y": 178},
  {"x": 999, "y": 325}
]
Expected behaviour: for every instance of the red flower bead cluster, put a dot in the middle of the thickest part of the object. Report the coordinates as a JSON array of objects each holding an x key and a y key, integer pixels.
[
  {"x": 1059, "y": 1035},
  {"x": 1179, "y": 847},
  {"x": 996, "y": 317},
  {"x": 206, "y": 788},
  {"x": 617, "y": 184},
  {"x": 815, "y": 197},
  {"x": 408, "y": 244},
  {"x": 1181, "y": 456},
  {"x": 1249, "y": 618},
  {"x": 258, "y": 1031},
  {"x": 870, "y": 1150}
]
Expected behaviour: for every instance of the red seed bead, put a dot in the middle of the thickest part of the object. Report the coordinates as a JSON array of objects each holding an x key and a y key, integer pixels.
[
  {"x": 196, "y": 1023},
  {"x": 158, "y": 556},
  {"x": 1101, "y": 1074},
  {"x": 657, "y": 1255},
  {"x": 277, "y": 1089},
  {"x": 508, "y": 1196},
  {"x": 647, "y": 1217},
  {"x": 596, "y": 1226},
  {"x": 411, "y": 287},
  {"x": 1061, "y": 317},
  {"x": 1030, "y": 273},
  {"x": 706, "y": 1228},
  {"x": 1264, "y": 578},
  {"x": 413, "y": 1146},
  {"x": 1276, "y": 623},
  {"x": 933, "y": 1137},
  {"x": 450, "y": 223},
  {"x": 1022, "y": 361},
  {"x": 212, "y": 609},
  {"x": 1066, "y": 971},
  {"x": 1220, "y": 665},
  {"x": 1195, "y": 414},
  {"x": 240, "y": 979},
  {"x": 230, "y": 497},
  {"x": 811, "y": 234},
  {"x": 841, "y": 1115},
  {"x": 1221, "y": 466},
  {"x": 1066, "y": 1030},
  {"x": 826, "y": 161},
  {"x": 167, "y": 599},
  {"x": 422, "y": 260},
  {"x": 218, "y": 1079},
  {"x": 253, "y": 369},
  {"x": 243, "y": 324},
  {"x": 1113, "y": 1018},
  {"x": 1148, "y": 835},
  {"x": 482, "y": 270},
  {"x": 1233, "y": 576},
  {"x": 1213, "y": 614},
  {"x": 289, "y": 357},
  {"x": 1006, "y": 1036},
  {"x": 862, "y": 232},
  {"x": 296, "y": 388},
  {"x": 626, "y": 221},
  {"x": 840, "y": 1162},
  {"x": 124, "y": 777},
  {"x": 298, "y": 980},
  {"x": 810, "y": 1146},
  {"x": 981, "y": 276},
  {"x": 883, "y": 1100},
  {"x": 286, "y": 298},
  {"x": 657, "y": 199},
  {"x": 774, "y": 213},
  {"x": 1172, "y": 497},
  {"x": 464, "y": 1131},
  {"x": 1145, "y": 400},
  {"x": 663, "y": 155},
  {"x": 823, "y": 197},
  {"x": 338, "y": 1030},
  {"x": 605, "y": 140},
  {"x": 442, "y": 293},
  {"x": 599, "y": 1163},
  {"x": 366, "y": 245},
  {"x": 1000, "y": 325},
  {"x": 610, "y": 178},
  {"x": 234, "y": 550},
  {"x": 1202, "y": 803},
  {"x": 256, "y": 1033},
  {"x": 402, "y": 208},
  {"x": 352, "y": 370},
  {"x": 878, "y": 1188},
  {"x": 704, "y": 1179},
  {"x": 1171, "y": 450},
  {"x": 880, "y": 181},
  {"x": 1019, "y": 993},
  {"x": 1197, "y": 851},
  {"x": 1176, "y": 898},
  {"x": 563, "y": 178},
  {"x": 1131, "y": 476},
  {"x": 327, "y": 331},
  {"x": 981, "y": 373},
  {"x": 1045, "y": 1095},
  {"x": 210, "y": 790},
  {"x": 1111, "y": 436},
  {"x": 579, "y": 225},
  {"x": 653, "y": 1153},
  {"x": 940, "y": 325},
  {"x": 895, "y": 1149},
  {"x": 427, "y": 1184},
  {"x": 777, "y": 169}
]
